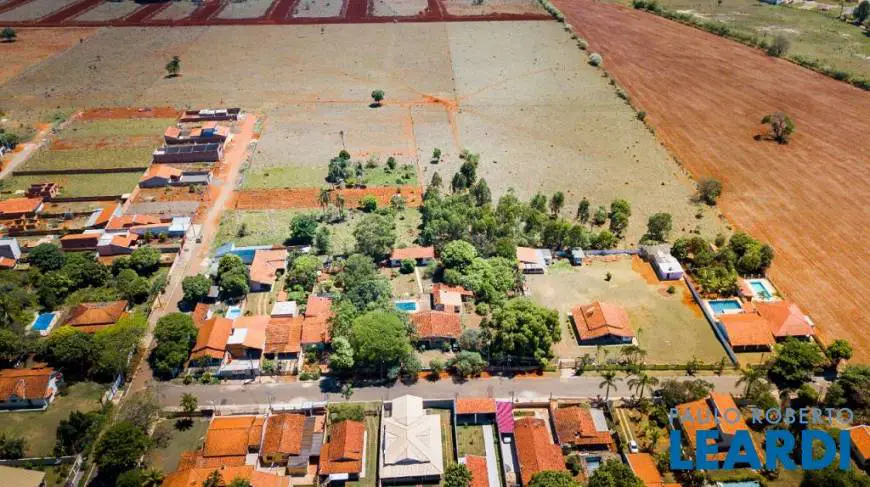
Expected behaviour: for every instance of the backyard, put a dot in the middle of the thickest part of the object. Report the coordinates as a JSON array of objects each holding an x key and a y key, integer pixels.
[
  {"x": 446, "y": 434},
  {"x": 670, "y": 327},
  {"x": 59, "y": 160},
  {"x": 39, "y": 427},
  {"x": 373, "y": 426},
  {"x": 470, "y": 441},
  {"x": 190, "y": 439}
]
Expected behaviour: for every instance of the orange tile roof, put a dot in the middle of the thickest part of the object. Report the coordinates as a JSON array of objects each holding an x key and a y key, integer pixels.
[
  {"x": 211, "y": 339},
  {"x": 535, "y": 451},
  {"x": 574, "y": 426},
  {"x": 479, "y": 473},
  {"x": 712, "y": 412},
  {"x": 267, "y": 263},
  {"x": 81, "y": 236},
  {"x": 441, "y": 293},
  {"x": 283, "y": 434},
  {"x": 284, "y": 335},
  {"x": 25, "y": 383},
  {"x": 7, "y": 262},
  {"x": 97, "y": 314},
  {"x": 106, "y": 214},
  {"x": 413, "y": 253},
  {"x": 127, "y": 221},
  {"x": 860, "y": 436},
  {"x": 478, "y": 405},
  {"x": 161, "y": 171},
  {"x": 599, "y": 319},
  {"x": 437, "y": 324},
  {"x": 315, "y": 330},
  {"x": 256, "y": 326},
  {"x": 200, "y": 314},
  {"x": 344, "y": 450},
  {"x": 124, "y": 240},
  {"x": 527, "y": 254},
  {"x": 318, "y": 306},
  {"x": 747, "y": 330},
  {"x": 644, "y": 466},
  {"x": 195, "y": 459},
  {"x": 785, "y": 319},
  {"x": 231, "y": 436},
  {"x": 19, "y": 205},
  {"x": 194, "y": 477},
  {"x": 172, "y": 132}
]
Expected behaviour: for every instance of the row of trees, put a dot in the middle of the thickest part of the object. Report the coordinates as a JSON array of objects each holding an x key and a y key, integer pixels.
[{"x": 717, "y": 270}]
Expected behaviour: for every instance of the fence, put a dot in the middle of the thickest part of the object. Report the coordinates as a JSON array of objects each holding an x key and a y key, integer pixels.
[
  {"x": 60, "y": 172},
  {"x": 712, "y": 321},
  {"x": 612, "y": 252},
  {"x": 74, "y": 199}
]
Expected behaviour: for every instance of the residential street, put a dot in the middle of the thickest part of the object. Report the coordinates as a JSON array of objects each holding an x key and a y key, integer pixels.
[{"x": 500, "y": 387}]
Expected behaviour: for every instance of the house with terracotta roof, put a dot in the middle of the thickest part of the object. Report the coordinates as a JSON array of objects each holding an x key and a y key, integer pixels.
[
  {"x": 860, "y": 439},
  {"x": 420, "y": 255},
  {"x": 644, "y": 467},
  {"x": 211, "y": 342},
  {"x": 92, "y": 317},
  {"x": 436, "y": 328},
  {"x": 27, "y": 388},
  {"x": 159, "y": 175},
  {"x": 196, "y": 476},
  {"x": 78, "y": 242},
  {"x": 10, "y": 252},
  {"x": 342, "y": 455},
  {"x": 245, "y": 346},
  {"x": 291, "y": 440},
  {"x": 449, "y": 298},
  {"x": 315, "y": 326},
  {"x": 479, "y": 472},
  {"x": 266, "y": 267},
  {"x": 600, "y": 323},
  {"x": 786, "y": 320},
  {"x": 746, "y": 331},
  {"x": 582, "y": 428},
  {"x": 124, "y": 222},
  {"x": 718, "y": 411},
  {"x": 284, "y": 341},
  {"x": 411, "y": 445},
  {"x": 231, "y": 437},
  {"x": 533, "y": 261},
  {"x": 111, "y": 244},
  {"x": 536, "y": 451},
  {"x": 15, "y": 208},
  {"x": 474, "y": 410}
]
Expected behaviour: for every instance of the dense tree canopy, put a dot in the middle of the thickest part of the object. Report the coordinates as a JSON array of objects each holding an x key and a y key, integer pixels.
[
  {"x": 175, "y": 334},
  {"x": 195, "y": 288},
  {"x": 794, "y": 363},
  {"x": 379, "y": 340},
  {"x": 375, "y": 235},
  {"x": 614, "y": 473},
  {"x": 552, "y": 478},
  {"x": 120, "y": 448},
  {"x": 303, "y": 271},
  {"x": 524, "y": 329}
]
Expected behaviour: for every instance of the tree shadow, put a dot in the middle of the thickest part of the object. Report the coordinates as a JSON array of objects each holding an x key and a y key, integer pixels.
[
  {"x": 183, "y": 424},
  {"x": 375, "y": 104},
  {"x": 172, "y": 75}
]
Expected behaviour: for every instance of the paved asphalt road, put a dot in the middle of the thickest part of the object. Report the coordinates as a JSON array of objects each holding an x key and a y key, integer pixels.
[{"x": 297, "y": 392}]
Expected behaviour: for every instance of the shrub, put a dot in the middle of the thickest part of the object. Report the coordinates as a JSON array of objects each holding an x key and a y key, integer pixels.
[
  {"x": 407, "y": 266},
  {"x": 582, "y": 44},
  {"x": 482, "y": 309},
  {"x": 779, "y": 46},
  {"x": 709, "y": 190},
  {"x": 368, "y": 203},
  {"x": 595, "y": 59},
  {"x": 641, "y": 115}
]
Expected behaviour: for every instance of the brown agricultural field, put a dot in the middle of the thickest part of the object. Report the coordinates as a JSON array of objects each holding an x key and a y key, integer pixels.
[
  {"x": 705, "y": 96},
  {"x": 34, "y": 46}
]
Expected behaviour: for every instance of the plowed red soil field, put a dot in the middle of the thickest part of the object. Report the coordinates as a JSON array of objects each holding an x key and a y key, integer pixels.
[
  {"x": 276, "y": 199},
  {"x": 114, "y": 113},
  {"x": 810, "y": 199}
]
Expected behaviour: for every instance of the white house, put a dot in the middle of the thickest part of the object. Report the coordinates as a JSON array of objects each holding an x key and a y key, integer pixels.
[
  {"x": 667, "y": 267},
  {"x": 411, "y": 447}
]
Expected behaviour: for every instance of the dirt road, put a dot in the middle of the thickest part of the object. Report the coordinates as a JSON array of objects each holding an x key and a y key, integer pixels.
[{"x": 705, "y": 95}]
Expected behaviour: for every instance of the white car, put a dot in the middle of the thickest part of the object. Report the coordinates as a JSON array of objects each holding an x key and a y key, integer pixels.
[{"x": 632, "y": 446}]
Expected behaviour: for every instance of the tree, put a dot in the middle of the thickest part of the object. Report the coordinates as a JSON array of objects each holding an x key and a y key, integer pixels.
[
  {"x": 481, "y": 193},
  {"x": 614, "y": 473},
  {"x": 471, "y": 339},
  {"x": 340, "y": 203},
  {"x": 379, "y": 339},
  {"x": 120, "y": 448},
  {"x": 489, "y": 279},
  {"x": 794, "y": 363},
  {"x": 522, "y": 328},
  {"x": 583, "y": 210},
  {"x": 750, "y": 376},
  {"x": 323, "y": 241},
  {"x": 83, "y": 270},
  {"x": 132, "y": 287},
  {"x": 195, "y": 288},
  {"x": 341, "y": 358},
  {"x": 9, "y": 35},
  {"x": 709, "y": 191},
  {"x": 641, "y": 381},
  {"x": 600, "y": 216},
  {"x": 659, "y": 226},
  {"x": 861, "y": 12},
  {"x": 175, "y": 334},
  {"x": 834, "y": 477},
  {"x": 469, "y": 170},
  {"x": 145, "y": 260},
  {"x": 75, "y": 433},
  {"x": 467, "y": 364},
  {"x": 303, "y": 272},
  {"x": 553, "y": 478},
  {"x": 375, "y": 235},
  {"x": 436, "y": 365},
  {"x": 458, "y": 254},
  {"x": 839, "y": 350},
  {"x": 609, "y": 381},
  {"x": 457, "y": 475},
  {"x": 70, "y": 348},
  {"x": 679, "y": 392},
  {"x": 12, "y": 447},
  {"x": 557, "y": 201},
  {"x": 323, "y": 199},
  {"x": 370, "y": 294},
  {"x": 214, "y": 479},
  {"x": 152, "y": 478},
  {"x": 618, "y": 222},
  {"x": 303, "y": 229},
  {"x": 173, "y": 67},
  {"x": 378, "y": 97},
  {"x": 458, "y": 183},
  {"x": 11, "y": 345},
  {"x": 240, "y": 482},
  {"x": 779, "y": 46},
  {"x": 46, "y": 257},
  {"x": 781, "y": 126},
  {"x": 234, "y": 284},
  {"x": 113, "y": 345},
  {"x": 368, "y": 203},
  {"x": 189, "y": 404},
  {"x": 141, "y": 410}
]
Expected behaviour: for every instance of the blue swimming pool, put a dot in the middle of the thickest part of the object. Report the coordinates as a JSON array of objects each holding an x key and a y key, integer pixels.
[
  {"x": 725, "y": 306},
  {"x": 407, "y": 306},
  {"x": 745, "y": 483},
  {"x": 233, "y": 312},
  {"x": 760, "y": 289},
  {"x": 43, "y": 322},
  {"x": 592, "y": 464}
]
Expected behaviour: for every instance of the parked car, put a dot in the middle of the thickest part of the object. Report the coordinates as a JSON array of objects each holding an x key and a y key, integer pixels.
[{"x": 632, "y": 447}]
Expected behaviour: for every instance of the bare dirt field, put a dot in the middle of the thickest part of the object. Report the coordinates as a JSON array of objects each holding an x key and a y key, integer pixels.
[
  {"x": 705, "y": 96},
  {"x": 108, "y": 11},
  {"x": 263, "y": 199},
  {"x": 176, "y": 11},
  {"x": 36, "y": 45},
  {"x": 318, "y": 8},
  {"x": 397, "y": 8},
  {"x": 248, "y": 9},
  {"x": 671, "y": 327},
  {"x": 34, "y": 10},
  {"x": 487, "y": 7}
]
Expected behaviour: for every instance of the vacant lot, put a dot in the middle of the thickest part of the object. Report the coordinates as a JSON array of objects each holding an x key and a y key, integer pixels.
[
  {"x": 795, "y": 196},
  {"x": 39, "y": 428},
  {"x": 114, "y": 127},
  {"x": 267, "y": 227},
  {"x": 670, "y": 327},
  {"x": 34, "y": 46},
  {"x": 34, "y": 9},
  {"x": 190, "y": 439},
  {"x": 813, "y": 34},
  {"x": 77, "y": 184},
  {"x": 58, "y": 160}
]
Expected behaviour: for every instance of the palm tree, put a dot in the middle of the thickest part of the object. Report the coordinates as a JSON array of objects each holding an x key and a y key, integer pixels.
[
  {"x": 641, "y": 381},
  {"x": 152, "y": 478},
  {"x": 653, "y": 434},
  {"x": 323, "y": 199},
  {"x": 749, "y": 376},
  {"x": 598, "y": 349},
  {"x": 339, "y": 202},
  {"x": 610, "y": 380}
]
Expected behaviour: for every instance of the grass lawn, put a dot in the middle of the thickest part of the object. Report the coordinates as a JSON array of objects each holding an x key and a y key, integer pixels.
[
  {"x": 446, "y": 436},
  {"x": 118, "y": 127},
  {"x": 266, "y": 227},
  {"x": 382, "y": 176},
  {"x": 56, "y": 160},
  {"x": 373, "y": 426},
  {"x": 407, "y": 222},
  {"x": 470, "y": 441},
  {"x": 166, "y": 459},
  {"x": 812, "y": 34},
  {"x": 73, "y": 185},
  {"x": 39, "y": 428},
  {"x": 405, "y": 286},
  {"x": 284, "y": 177}
]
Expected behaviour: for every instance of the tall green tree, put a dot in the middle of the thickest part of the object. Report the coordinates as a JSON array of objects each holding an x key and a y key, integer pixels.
[
  {"x": 379, "y": 340},
  {"x": 457, "y": 475},
  {"x": 120, "y": 448},
  {"x": 794, "y": 363},
  {"x": 614, "y": 473},
  {"x": 375, "y": 235},
  {"x": 522, "y": 328},
  {"x": 195, "y": 288},
  {"x": 552, "y": 478}
]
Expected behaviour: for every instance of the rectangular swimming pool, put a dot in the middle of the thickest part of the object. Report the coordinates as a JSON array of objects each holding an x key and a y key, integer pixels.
[
  {"x": 592, "y": 464},
  {"x": 407, "y": 306},
  {"x": 725, "y": 306},
  {"x": 760, "y": 289},
  {"x": 233, "y": 312},
  {"x": 43, "y": 321}
]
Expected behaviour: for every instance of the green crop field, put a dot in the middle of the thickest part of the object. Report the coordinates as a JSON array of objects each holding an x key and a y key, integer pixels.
[{"x": 57, "y": 160}]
